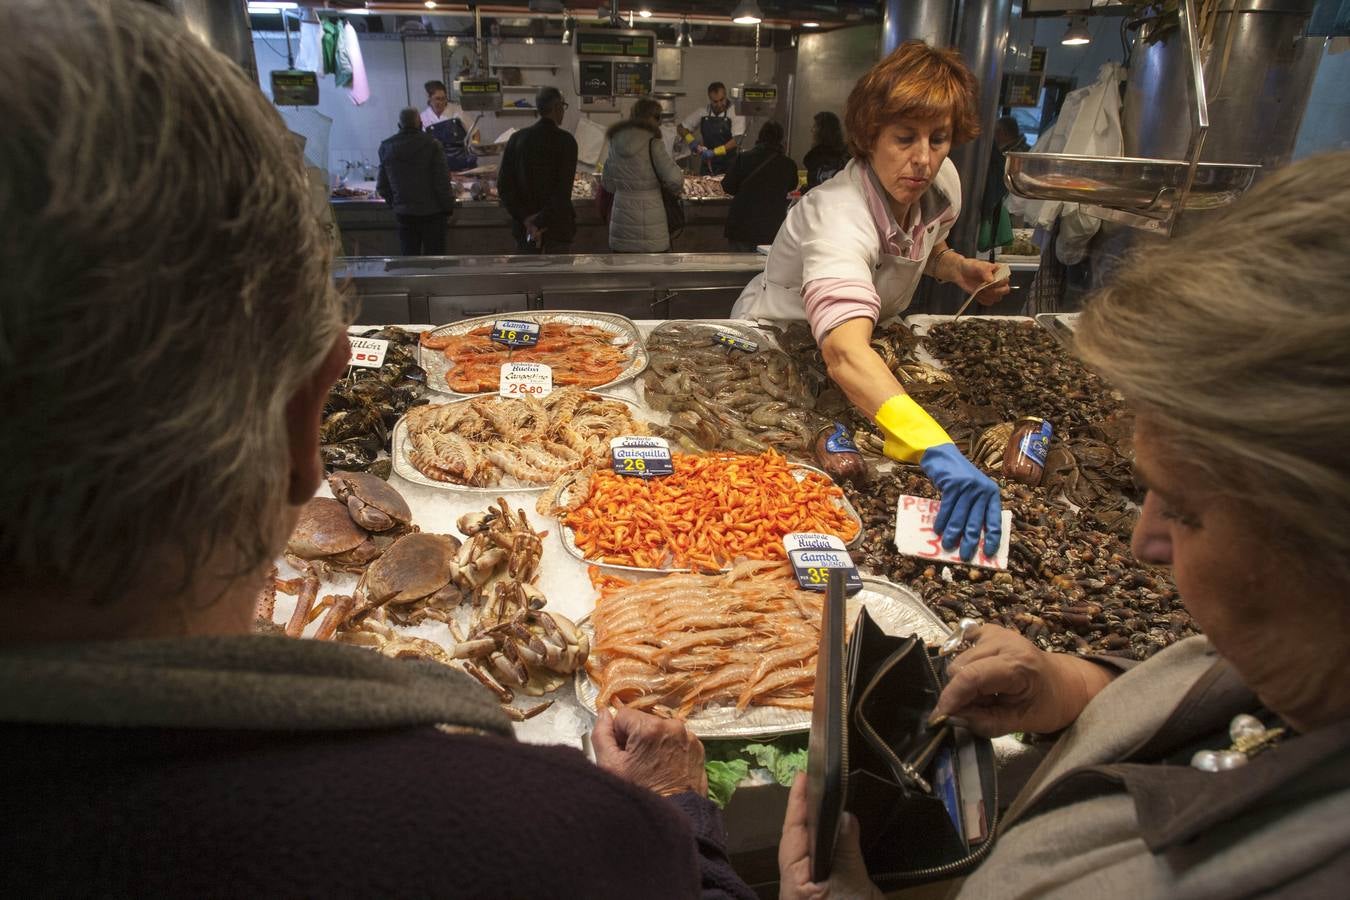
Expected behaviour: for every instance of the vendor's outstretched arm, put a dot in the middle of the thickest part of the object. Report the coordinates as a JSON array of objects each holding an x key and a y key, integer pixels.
[{"x": 970, "y": 499}]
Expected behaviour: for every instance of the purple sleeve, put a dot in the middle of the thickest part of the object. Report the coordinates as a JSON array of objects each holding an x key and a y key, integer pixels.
[{"x": 718, "y": 878}]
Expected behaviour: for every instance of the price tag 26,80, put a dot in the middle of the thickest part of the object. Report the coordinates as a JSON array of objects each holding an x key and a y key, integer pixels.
[
  {"x": 734, "y": 341},
  {"x": 643, "y": 457},
  {"x": 526, "y": 379},
  {"x": 367, "y": 352},
  {"x": 914, "y": 535},
  {"x": 813, "y": 556},
  {"x": 515, "y": 333}
]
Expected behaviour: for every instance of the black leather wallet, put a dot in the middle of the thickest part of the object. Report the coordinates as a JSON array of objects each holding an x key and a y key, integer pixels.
[{"x": 925, "y": 798}]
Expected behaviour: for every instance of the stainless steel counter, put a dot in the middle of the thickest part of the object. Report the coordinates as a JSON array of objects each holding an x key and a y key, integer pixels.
[
  {"x": 368, "y": 228},
  {"x": 440, "y": 289}
]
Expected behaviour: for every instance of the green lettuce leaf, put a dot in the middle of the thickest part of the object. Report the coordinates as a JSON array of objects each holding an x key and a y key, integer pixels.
[
  {"x": 723, "y": 776},
  {"x": 784, "y": 757}
]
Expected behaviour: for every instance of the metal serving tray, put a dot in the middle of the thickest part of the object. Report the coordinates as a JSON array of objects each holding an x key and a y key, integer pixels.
[
  {"x": 404, "y": 468},
  {"x": 1061, "y": 325},
  {"x": 437, "y": 365},
  {"x": 1129, "y": 183},
  {"x": 569, "y": 537},
  {"x": 897, "y": 610}
]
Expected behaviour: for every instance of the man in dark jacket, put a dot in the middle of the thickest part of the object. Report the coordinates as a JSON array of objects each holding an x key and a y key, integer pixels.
[
  {"x": 759, "y": 182},
  {"x": 535, "y": 181},
  {"x": 415, "y": 181}
]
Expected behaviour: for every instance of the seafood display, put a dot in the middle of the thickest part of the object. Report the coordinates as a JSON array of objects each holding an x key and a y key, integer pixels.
[
  {"x": 363, "y": 406},
  {"x": 491, "y": 441},
  {"x": 704, "y": 187},
  {"x": 720, "y": 398},
  {"x": 715, "y": 510},
  {"x": 583, "y": 186},
  {"x": 584, "y": 355},
  {"x": 675, "y": 644}
]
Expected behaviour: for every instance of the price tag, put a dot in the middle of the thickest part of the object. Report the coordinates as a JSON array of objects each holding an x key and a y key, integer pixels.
[
  {"x": 914, "y": 535},
  {"x": 734, "y": 341},
  {"x": 813, "y": 555},
  {"x": 840, "y": 441},
  {"x": 367, "y": 352},
  {"x": 514, "y": 333},
  {"x": 526, "y": 379},
  {"x": 641, "y": 457}
]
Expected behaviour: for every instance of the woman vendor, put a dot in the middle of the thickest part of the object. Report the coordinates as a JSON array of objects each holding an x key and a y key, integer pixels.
[
  {"x": 851, "y": 254},
  {"x": 1219, "y": 767}
]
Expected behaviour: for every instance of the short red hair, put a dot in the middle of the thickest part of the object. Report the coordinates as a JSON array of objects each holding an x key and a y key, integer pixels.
[{"x": 915, "y": 81}]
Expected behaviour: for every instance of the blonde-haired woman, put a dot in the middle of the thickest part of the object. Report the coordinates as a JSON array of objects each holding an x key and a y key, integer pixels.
[{"x": 1234, "y": 344}]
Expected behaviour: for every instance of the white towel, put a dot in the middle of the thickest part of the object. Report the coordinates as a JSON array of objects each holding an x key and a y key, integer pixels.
[
  {"x": 310, "y": 57},
  {"x": 360, "y": 90}
]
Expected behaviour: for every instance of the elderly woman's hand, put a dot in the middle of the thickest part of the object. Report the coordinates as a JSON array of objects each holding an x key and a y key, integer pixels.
[
  {"x": 1005, "y": 683},
  {"x": 969, "y": 274},
  {"x": 848, "y": 872},
  {"x": 658, "y": 754}
]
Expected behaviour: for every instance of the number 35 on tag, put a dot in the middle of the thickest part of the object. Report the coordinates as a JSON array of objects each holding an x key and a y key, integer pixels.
[
  {"x": 524, "y": 379},
  {"x": 914, "y": 535},
  {"x": 813, "y": 555}
]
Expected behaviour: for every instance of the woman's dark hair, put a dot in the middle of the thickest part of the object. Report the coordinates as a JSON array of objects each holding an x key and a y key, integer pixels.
[
  {"x": 829, "y": 131},
  {"x": 433, "y": 86},
  {"x": 771, "y": 133}
]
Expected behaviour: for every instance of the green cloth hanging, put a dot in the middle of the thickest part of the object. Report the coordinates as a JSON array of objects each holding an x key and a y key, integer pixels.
[
  {"x": 1003, "y": 236},
  {"x": 332, "y": 36},
  {"x": 343, "y": 73}
]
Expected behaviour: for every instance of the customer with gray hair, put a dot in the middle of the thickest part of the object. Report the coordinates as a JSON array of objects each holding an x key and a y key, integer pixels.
[
  {"x": 415, "y": 180},
  {"x": 169, "y": 330},
  {"x": 535, "y": 179},
  {"x": 1220, "y": 767}
]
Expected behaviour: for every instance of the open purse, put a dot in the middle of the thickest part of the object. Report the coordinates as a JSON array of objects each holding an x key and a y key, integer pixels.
[{"x": 926, "y": 799}]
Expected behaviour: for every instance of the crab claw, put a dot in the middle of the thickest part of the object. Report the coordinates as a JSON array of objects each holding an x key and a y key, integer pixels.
[{"x": 476, "y": 522}]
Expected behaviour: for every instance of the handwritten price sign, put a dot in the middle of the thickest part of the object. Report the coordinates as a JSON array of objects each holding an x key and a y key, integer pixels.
[
  {"x": 525, "y": 380},
  {"x": 914, "y": 535},
  {"x": 641, "y": 457},
  {"x": 367, "y": 353},
  {"x": 813, "y": 555},
  {"x": 514, "y": 333}
]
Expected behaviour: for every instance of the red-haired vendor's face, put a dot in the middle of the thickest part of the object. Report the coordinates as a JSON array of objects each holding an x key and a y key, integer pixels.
[{"x": 908, "y": 153}]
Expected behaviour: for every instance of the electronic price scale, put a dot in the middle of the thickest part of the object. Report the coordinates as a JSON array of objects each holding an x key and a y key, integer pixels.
[
  {"x": 613, "y": 63},
  {"x": 757, "y": 99},
  {"x": 295, "y": 87},
  {"x": 479, "y": 94}
]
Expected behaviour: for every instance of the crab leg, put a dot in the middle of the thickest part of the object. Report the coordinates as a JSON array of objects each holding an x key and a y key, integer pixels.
[
  {"x": 503, "y": 693},
  {"x": 337, "y": 614},
  {"x": 308, "y": 592},
  {"x": 520, "y": 715},
  {"x": 267, "y": 597}
]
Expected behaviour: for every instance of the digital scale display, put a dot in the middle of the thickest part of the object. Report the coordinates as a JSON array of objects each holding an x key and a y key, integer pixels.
[
  {"x": 632, "y": 79},
  {"x": 479, "y": 94},
  {"x": 294, "y": 87},
  {"x": 757, "y": 99},
  {"x": 609, "y": 44}
]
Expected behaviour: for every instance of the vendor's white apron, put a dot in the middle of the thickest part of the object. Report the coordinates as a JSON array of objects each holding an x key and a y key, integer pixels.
[{"x": 895, "y": 280}]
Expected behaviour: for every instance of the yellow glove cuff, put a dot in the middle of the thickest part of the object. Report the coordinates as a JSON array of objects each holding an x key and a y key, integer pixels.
[
  {"x": 689, "y": 138},
  {"x": 908, "y": 429},
  {"x": 720, "y": 151}
]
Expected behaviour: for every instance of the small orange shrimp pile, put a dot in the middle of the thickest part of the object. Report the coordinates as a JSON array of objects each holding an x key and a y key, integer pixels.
[
  {"x": 578, "y": 354},
  {"x": 673, "y": 645},
  {"x": 713, "y": 511}
]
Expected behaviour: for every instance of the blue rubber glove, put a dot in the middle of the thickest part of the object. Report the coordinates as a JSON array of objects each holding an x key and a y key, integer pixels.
[
  {"x": 709, "y": 153},
  {"x": 970, "y": 501}
]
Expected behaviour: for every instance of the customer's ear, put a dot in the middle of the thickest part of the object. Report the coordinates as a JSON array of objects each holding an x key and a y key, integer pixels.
[{"x": 303, "y": 413}]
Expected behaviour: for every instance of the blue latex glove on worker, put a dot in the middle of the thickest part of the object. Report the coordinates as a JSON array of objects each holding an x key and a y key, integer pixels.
[
  {"x": 709, "y": 153},
  {"x": 970, "y": 499}
]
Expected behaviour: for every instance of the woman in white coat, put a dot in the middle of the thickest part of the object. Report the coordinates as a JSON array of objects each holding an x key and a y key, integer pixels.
[
  {"x": 637, "y": 168},
  {"x": 852, "y": 252}
]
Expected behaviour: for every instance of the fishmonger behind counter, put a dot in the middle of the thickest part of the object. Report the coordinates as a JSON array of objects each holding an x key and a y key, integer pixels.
[{"x": 852, "y": 252}]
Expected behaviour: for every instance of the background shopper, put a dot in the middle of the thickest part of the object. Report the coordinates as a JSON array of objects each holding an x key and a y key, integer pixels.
[
  {"x": 535, "y": 181},
  {"x": 414, "y": 180},
  {"x": 637, "y": 169},
  {"x": 759, "y": 181}
]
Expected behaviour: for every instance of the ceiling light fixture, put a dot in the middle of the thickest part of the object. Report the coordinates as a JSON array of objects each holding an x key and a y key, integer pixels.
[
  {"x": 430, "y": 4},
  {"x": 747, "y": 13},
  {"x": 645, "y": 13},
  {"x": 810, "y": 24},
  {"x": 684, "y": 40},
  {"x": 256, "y": 8},
  {"x": 1077, "y": 33}
]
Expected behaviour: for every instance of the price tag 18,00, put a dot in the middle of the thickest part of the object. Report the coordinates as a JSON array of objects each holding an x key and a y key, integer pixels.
[
  {"x": 734, "y": 341},
  {"x": 367, "y": 352},
  {"x": 515, "y": 333},
  {"x": 643, "y": 457},
  {"x": 914, "y": 535},
  {"x": 813, "y": 555},
  {"x": 525, "y": 379}
]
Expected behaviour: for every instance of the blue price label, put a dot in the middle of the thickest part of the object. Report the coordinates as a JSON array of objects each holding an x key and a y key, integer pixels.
[
  {"x": 840, "y": 441},
  {"x": 514, "y": 333},
  {"x": 814, "y": 556},
  {"x": 734, "y": 341}
]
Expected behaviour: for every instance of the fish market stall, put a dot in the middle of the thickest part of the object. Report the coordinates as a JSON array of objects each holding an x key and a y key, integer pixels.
[{"x": 480, "y": 225}]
